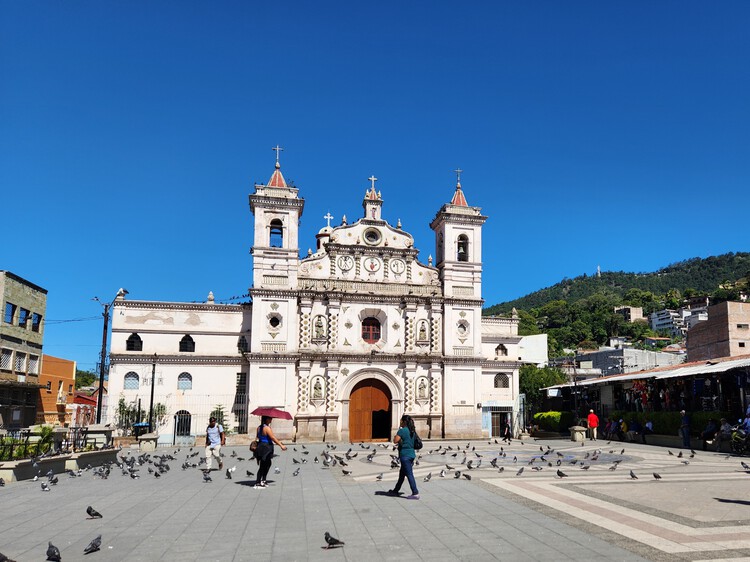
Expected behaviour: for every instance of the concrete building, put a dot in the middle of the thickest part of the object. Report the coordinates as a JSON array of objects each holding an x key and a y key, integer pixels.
[
  {"x": 631, "y": 313},
  {"x": 667, "y": 321},
  {"x": 611, "y": 361},
  {"x": 57, "y": 381},
  {"x": 346, "y": 339},
  {"x": 726, "y": 332},
  {"x": 21, "y": 334}
]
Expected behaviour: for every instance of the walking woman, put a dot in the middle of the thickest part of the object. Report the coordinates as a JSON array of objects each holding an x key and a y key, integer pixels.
[
  {"x": 264, "y": 452},
  {"x": 406, "y": 453}
]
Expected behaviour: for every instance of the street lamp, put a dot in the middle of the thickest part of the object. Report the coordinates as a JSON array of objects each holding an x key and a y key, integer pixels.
[
  {"x": 103, "y": 356},
  {"x": 151, "y": 406}
]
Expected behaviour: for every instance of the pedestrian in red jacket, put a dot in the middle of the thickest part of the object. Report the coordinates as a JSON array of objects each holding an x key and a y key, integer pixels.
[{"x": 593, "y": 421}]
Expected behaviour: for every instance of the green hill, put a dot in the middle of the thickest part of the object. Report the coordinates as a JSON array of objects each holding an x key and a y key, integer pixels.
[{"x": 696, "y": 276}]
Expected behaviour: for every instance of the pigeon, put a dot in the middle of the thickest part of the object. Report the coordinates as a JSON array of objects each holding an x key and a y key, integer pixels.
[
  {"x": 457, "y": 475},
  {"x": 277, "y": 470},
  {"x": 586, "y": 467},
  {"x": 442, "y": 473},
  {"x": 93, "y": 545},
  {"x": 53, "y": 553},
  {"x": 745, "y": 465},
  {"x": 657, "y": 476},
  {"x": 561, "y": 474},
  {"x": 207, "y": 477},
  {"x": 93, "y": 514},
  {"x": 296, "y": 472},
  {"x": 520, "y": 471},
  {"x": 4, "y": 558},
  {"x": 685, "y": 462},
  {"x": 670, "y": 453},
  {"x": 332, "y": 542},
  {"x": 379, "y": 477},
  {"x": 249, "y": 473},
  {"x": 428, "y": 477},
  {"x": 2, "y": 482},
  {"x": 467, "y": 476},
  {"x": 633, "y": 476},
  {"x": 679, "y": 455},
  {"x": 501, "y": 469},
  {"x": 45, "y": 487},
  {"x": 229, "y": 474}
]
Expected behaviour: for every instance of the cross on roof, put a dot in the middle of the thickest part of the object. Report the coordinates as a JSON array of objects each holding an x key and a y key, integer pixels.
[
  {"x": 372, "y": 179},
  {"x": 458, "y": 174},
  {"x": 278, "y": 149},
  {"x": 328, "y": 216}
]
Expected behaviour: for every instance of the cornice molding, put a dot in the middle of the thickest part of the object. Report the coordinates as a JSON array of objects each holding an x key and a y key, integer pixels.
[
  {"x": 118, "y": 358},
  {"x": 169, "y": 305}
]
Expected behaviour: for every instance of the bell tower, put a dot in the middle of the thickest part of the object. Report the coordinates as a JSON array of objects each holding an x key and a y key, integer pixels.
[{"x": 277, "y": 209}]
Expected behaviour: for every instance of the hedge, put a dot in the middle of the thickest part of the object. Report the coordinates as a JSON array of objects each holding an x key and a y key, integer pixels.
[{"x": 554, "y": 421}]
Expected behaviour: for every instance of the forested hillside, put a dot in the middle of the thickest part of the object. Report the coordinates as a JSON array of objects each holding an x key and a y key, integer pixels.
[
  {"x": 694, "y": 276},
  {"x": 579, "y": 313}
]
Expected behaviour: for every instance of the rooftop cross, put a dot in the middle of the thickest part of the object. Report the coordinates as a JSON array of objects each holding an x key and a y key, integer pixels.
[
  {"x": 328, "y": 216},
  {"x": 278, "y": 149},
  {"x": 373, "y": 179},
  {"x": 458, "y": 174}
]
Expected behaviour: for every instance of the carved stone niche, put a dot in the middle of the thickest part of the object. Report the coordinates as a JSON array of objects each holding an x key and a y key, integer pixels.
[
  {"x": 422, "y": 391},
  {"x": 317, "y": 392}
]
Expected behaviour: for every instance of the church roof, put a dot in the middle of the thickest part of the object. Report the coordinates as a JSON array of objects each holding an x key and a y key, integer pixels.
[
  {"x": 277, "y": 180},
  {"x": 372, "y": 195},
  {"x": 458, "y": 197}
]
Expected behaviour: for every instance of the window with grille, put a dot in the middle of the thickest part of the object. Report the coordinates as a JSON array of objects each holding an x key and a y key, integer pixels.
[
  {"x": 134, "y": 343},
  {"x": 36, "y": 322},
  {"x": 33, "y": 364},
  {"x": 241, "y": 383},
  {"x": 371, "y": 330},
  {"x": 242, "y": 344},
  {"x": 185, "y": 381},
  {"x": 23, "y": 317},
  {"x": 131, "y": 381},
  {"x": 6, "y": 359},
  {"x": 20, "y": 361},
  {"x": 10, "y": 312},
  {"x": 502, "y": 381},
  {"x": 187, "y": 344}
]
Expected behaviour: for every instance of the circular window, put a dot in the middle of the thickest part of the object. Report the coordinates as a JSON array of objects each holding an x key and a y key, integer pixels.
[
  {"x": 274, "y": 321},
  {"x": 372, "y": 236}
]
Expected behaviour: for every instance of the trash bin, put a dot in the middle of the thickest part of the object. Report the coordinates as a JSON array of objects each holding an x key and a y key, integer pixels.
[{"x": 140, "y": 428}]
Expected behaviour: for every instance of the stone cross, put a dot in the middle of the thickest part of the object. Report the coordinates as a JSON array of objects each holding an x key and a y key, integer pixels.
[
  {"x": 278, "y": 149},
  {"x": 328, "y": 216},
  {"x": 373, "y": 179}
]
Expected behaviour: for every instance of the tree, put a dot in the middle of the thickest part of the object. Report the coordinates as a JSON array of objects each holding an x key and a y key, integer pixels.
[
  {"x": 218, "y": 413},
  {"x": 527, "y": 324},
  {"x": 85, "y": 378},
  {"x": 532, "y": 379}
]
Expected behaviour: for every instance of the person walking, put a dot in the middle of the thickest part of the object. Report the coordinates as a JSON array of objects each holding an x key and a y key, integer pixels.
[
  {"x": 215, "y": 440},
  {"x": 593, "y": 421},
  {"x": 406, "y": 455},
  {"x": 685, "y": 429},
  {"x": 264, "y": 452}
]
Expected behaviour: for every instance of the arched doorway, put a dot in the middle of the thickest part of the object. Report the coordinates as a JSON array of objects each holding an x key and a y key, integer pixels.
[
  {"x": 182, "y": 423},
  {"x": 370, "y": 411}
]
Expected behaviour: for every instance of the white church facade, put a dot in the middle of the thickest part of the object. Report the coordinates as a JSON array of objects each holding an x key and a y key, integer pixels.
[{"x": 346, "y": 339}]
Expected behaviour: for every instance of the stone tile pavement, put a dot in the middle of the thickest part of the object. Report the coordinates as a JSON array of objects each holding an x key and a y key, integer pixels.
[{"x": 697, "y": 511}]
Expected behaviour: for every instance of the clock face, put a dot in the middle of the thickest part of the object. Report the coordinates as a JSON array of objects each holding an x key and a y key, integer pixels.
[
  {"x": 398, "y": 266},
  {"x": 346, "y": 263},
  {"x": 372, "y": 264}
]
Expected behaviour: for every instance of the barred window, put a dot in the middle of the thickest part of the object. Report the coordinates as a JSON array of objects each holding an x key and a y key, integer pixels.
[
  {"x": 33, "y": 364},
  {"x": 20, "y": 361},
  {"x": 187, "y": 344},
  {"x": 134, "y": 343},
  {"x": 502, "y": 381},
  {"x": 242, "y": 344},
  {"x": 6, "y": 359},
  {"x": 131, "y": 381},
  {"x": 185, "y": 381}
]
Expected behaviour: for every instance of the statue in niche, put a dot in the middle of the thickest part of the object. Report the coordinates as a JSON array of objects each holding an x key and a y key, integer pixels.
[
  {"x": 317, "y": 392},
  {"x": 422, "y": 335},
  {"x": 422, "y": 390},
  {"x": 320, "y": 329}
]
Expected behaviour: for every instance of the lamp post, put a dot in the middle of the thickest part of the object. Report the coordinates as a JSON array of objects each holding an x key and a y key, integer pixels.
[
  {"x": 151, "y": 405},
  {"x": 103, "y": 355}
]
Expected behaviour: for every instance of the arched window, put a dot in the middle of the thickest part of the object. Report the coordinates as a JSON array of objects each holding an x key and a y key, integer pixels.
[
  {"x": 502, "y": 381},
  {"x": 242, "y": 344},
  {"x": 185, "y": 381},
  {"x": 131, "y": 381},
  {"x": 134, "y": 343},
  {"x": 187, "y": 344},
  {"x": 371, "y": 330},
  {"x": 501, "y": 351},
  {"x": 276, "y": 234},
  {"x": 462, "y": 248}
]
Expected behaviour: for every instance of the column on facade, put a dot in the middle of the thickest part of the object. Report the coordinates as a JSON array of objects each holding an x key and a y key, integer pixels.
[
  {"x": 436, "y": 401},
  {"x": 334, "y": 311},
  {"x": 305, "y": 322}
]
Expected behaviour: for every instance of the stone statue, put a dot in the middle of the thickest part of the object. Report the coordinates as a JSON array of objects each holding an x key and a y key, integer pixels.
[
  {"x": 317, "y": 393},
  {"x": 422, "y": 331},
  {"x": 422, "y": 390},
  {"x": 320, "y": 329}
]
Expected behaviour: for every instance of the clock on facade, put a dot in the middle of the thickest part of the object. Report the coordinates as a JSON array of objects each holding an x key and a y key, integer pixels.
[
  {"x": 372, "y": 264},
  {"x": 346, "y": 263},
  {"x": 398, "y": 266}
]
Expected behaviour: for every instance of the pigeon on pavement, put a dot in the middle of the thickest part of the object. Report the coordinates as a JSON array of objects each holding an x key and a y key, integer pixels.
[
  {"x": 657, "y": 475},
  {"x": 633, "y": 476},
  {"x": 45, "y": 487},
  {"x": 561, "y": 474},
  {"x": 207, "y": 477},
  {"x": 53, "y": 553},
  {"x": 93, "y": 514},
  {"x": 331, "y": 541},
  {"x": 93, "y": 545}
]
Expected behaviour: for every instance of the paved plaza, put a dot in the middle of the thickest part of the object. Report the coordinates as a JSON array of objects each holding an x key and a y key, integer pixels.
[{"x": 698, "y": 510}]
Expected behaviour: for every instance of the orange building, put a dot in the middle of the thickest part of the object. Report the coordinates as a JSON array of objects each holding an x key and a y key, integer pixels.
[{"x": 58, "y": 380}]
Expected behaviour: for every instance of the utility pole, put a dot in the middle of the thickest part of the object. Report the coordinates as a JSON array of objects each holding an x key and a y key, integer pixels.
[
  {"x": 151, "y": 406},
  {"x": 103, "y": 358}
]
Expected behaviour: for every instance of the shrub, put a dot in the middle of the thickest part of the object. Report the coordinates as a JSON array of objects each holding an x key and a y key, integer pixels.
[{"x": 554, "y": 421}]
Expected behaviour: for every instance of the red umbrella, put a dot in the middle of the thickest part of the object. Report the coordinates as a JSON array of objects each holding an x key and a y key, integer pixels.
[{"x": 272, "y": 413}]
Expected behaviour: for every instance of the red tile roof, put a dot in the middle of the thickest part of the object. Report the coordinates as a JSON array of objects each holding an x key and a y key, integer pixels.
[
  {"x": 277, "y": 180},
  {"x": 458, "y": 197}
]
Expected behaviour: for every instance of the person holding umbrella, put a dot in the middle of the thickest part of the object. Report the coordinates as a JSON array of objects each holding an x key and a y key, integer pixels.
[{"x": 266, "y": 440}]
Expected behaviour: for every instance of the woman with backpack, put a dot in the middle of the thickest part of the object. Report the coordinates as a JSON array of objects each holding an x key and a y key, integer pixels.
[{"x": 406, "y": 455}]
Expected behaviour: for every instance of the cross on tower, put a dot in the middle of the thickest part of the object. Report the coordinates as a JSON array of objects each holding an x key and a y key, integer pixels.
[
  {"x": 372, "y": 179},
  {"x": 328, "y": 216},
  {"x": 278, "y": 149},
  {"x": 458, "y": 174}
]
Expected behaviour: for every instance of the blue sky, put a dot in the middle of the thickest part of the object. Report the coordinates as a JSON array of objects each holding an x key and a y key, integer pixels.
[{"x": 590, "y": 133}]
